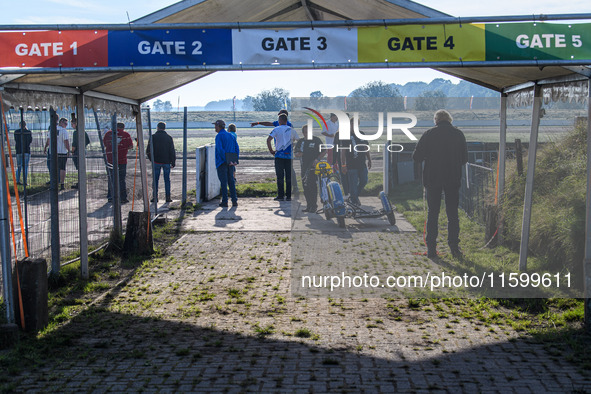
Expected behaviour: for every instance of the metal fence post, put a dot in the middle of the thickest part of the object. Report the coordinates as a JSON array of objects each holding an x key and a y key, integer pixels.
[
  {"x": 184, "y": 189},
  {"x": 151, "y": 143},
  {"x": 82, "y": 186},
  {"x": 587, "y": 260},
  {"x": 25, "y": 170},
  {"x": 5, "y": 235},
  {"x": 53, "y": 194},
  {"x": 117, "y": 225}
]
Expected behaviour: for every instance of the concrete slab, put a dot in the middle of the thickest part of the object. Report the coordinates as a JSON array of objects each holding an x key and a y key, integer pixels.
[{"x": 265, "y": 214}]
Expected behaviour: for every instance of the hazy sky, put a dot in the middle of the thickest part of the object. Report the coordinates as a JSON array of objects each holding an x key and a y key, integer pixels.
[{"x": 222, "y": 85}]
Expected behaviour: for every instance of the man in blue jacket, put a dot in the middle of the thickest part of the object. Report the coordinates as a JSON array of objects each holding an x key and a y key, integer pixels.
[{"x": 225, "y": 143}]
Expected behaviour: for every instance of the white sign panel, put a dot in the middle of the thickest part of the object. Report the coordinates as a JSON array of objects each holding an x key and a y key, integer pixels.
[{"x": 296, "y": 46}]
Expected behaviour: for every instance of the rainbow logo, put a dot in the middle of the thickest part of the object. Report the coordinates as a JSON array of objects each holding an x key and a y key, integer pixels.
[{"x": 317, "y": 117}]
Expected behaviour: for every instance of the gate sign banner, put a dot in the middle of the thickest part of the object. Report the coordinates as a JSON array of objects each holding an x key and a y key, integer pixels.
[
  {"x": 541, "y": 41},
  {"x": 461, "y": 43},
  {"x": 170, "y": 47},
  {"x": 81, "y": 48},
  {"x": 296, "y": 46},
  {"x": 416, "y": 43}
]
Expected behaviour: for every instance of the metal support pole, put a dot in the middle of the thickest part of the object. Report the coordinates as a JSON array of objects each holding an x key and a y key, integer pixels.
[
  {"x": 529, "y": 180},
  {"x": 5, "y": 234},
  {"x": 587, "y": 260},
  {"x": 184, "y": 189},
  {"x": 54, "y": 174},
  {"x": 143, "y": 165},
  {"x": 25, "y": 170},
  {"x": 154, "y": 194},
  {"x": 82, "y": 186},
  {"x": 117, "y": 224},
  {"x": 387, "y": 177},
  {"x": 501, "y": 159}
]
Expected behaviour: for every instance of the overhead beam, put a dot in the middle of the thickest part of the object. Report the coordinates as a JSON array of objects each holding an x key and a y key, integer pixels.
[
  {"x": 287, "y": 9},
  {"x": 102, "y": 82},
  {"x": 328, "y": 11}
]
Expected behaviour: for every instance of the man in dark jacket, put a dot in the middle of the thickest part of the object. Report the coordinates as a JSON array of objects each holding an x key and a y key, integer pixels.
[
  {"x": 310, "y": 153},
  {"x": 23, "y": 139},
  {"x": 444, "y": 151},
  {"x": 164, "y": 159}
]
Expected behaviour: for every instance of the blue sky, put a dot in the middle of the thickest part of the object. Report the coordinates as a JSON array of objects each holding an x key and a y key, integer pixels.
[{"x": 299, "y": 83}]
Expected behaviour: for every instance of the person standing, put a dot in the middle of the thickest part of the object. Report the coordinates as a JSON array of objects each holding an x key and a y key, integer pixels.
[
  {"x": 226, "y": 157},
  {"x": 124, "y": 143},
  {"x": 75, "y": 146},
  {"x": 232, "y": 130},
  {"x": 330, "y": 132},
  {"x": 23, "y": 139},
  {"x": 283, "y": 136},
  {"x": 164, "y": 159},
  {"x": 444, "y": 151},
  {"x": 63, "y": 149},
  {"x": 310, "y": 153},
  {"x": 353, "y": 165}
]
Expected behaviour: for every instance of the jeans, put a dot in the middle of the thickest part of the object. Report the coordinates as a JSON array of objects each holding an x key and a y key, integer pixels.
[
  {"x": 226, "y": 176},
  {"x": 166, "y": 168},
  {"x": 283, "y": 171},
  {"x": 19, "y": 162},
  {"x": 452, "y": 201},
  {"x": 122, "y": 184},
  {"x": 357, "y": 181}
]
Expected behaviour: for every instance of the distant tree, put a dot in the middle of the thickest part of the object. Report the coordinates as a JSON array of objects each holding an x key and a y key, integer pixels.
[
  {"x": 271, "y": 100},
  {"x": 167, "y": 106},
  {"x": 316, "y": 94},
  {"x": 375, "y": 96},
  {"x": 247, "y": 103},
  {"x": 431, "y": 101},
  {"x": 161, "y": 106}
]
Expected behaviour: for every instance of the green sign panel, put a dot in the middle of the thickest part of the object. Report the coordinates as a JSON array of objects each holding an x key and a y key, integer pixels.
[{"x": 538, "y": 41}]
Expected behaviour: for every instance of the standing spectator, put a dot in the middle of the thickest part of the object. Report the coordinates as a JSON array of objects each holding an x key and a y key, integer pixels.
[
  {"x": 226, "y": 147},
  {"x": 444, "y": 151},
  {"x": 283, "y": 136},
  {"x": 124, "y": 143},
  {"x": 75, "y": 146},
  {"x": 164, "y": 159},
  {"x": 63, "y": 148},
  {"x": 329, "y": 133},
  {"x": 232, "y": 130},
  {"x": 353, "y": 165},
  {"x": 23, "y": 139},
  {"x": 310, "y": 153}
]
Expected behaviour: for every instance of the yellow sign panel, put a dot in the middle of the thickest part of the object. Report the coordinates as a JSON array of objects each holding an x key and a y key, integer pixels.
[{"x": 418, "y": 43}]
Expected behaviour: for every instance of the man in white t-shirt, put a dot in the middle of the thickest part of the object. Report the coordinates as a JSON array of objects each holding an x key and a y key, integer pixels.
[
  {"x": 63, "y": 149},
  {"x": 333, "y": 127},
  {"x": 284, "y": 136}
]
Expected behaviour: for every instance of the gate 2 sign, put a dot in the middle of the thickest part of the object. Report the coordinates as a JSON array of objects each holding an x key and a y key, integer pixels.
[{"x": 170, "y": 47}]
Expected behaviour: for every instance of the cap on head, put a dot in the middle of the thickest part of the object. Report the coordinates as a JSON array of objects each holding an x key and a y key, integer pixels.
[
  {"x": 161, "y": 126},
  {"x": 220, "y": 123},
  {"x": 283, "y": 111}
]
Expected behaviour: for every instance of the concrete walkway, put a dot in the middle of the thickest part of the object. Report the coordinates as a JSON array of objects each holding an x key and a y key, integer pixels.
[{"x": 218, "y": 313}]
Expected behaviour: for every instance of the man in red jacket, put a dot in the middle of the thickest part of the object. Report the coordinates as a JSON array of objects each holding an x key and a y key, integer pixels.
[{"x": 124, "y": 143}]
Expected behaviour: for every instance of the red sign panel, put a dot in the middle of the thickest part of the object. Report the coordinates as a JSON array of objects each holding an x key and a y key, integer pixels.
[{"x": 74, "y": 48}]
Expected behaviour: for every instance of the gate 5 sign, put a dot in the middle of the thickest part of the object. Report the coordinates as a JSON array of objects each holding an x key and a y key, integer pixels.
[
  {"x": 415, "y": 43},
  {"x": 170, "y": 47},
  {"x": 538, "y": 41}
]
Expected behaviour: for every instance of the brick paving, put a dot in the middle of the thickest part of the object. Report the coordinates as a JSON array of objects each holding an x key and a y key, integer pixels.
[{"x": 217, "y": 314}]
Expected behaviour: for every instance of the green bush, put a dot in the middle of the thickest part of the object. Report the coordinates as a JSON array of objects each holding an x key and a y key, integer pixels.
[{"x": 558, "y": 212}]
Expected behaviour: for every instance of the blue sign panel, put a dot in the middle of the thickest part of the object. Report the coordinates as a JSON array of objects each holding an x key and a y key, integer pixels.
[{"x": 170, "y": 47}]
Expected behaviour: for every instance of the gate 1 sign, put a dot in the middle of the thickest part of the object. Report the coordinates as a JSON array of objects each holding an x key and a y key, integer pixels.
[
  {"x": 84, "y": 48},
  {"x": 170, "y": 47}
]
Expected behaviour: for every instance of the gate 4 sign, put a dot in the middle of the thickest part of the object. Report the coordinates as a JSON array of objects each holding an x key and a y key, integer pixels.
[
  {"x": 85, "y": 48},
  {"x": 296, "y": 46},
  {"x": 415, "y": 43}
]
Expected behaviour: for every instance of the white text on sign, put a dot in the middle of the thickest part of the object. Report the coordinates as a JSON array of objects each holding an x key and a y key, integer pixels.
[
  {"x": 546, "y": 41},
  {"x": 44, "y": 49},
  {"x": 292, "y": 44},
  {"x": 168, "y": 48}
]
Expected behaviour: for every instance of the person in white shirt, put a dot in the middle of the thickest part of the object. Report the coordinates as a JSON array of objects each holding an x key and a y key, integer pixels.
[
  {"x": 284, "y": 136},
  {"x": 63, "y": 149},
  {"x": 333, "y": 127}
]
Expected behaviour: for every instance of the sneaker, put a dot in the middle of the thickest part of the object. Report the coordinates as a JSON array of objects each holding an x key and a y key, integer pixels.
[
  {"x": 75, "y": 186},
  {"x": 168, "y": 199},
  {"x": 431, "y": 254},
  {"x": 62, "y": 187},
  {"x": 152, "y": 200},
  {"x": 311, "y": 210},
  {"x": 124, "y": 201},
  {"x": 234, "y": 203},
  {"x": 456, "y": 253},
  {"x": 278, "y": 199},
  {"x": 224, "y": 204},
  {"x": 288, "y": 199},
  {"x": 109, "y": 200}
]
